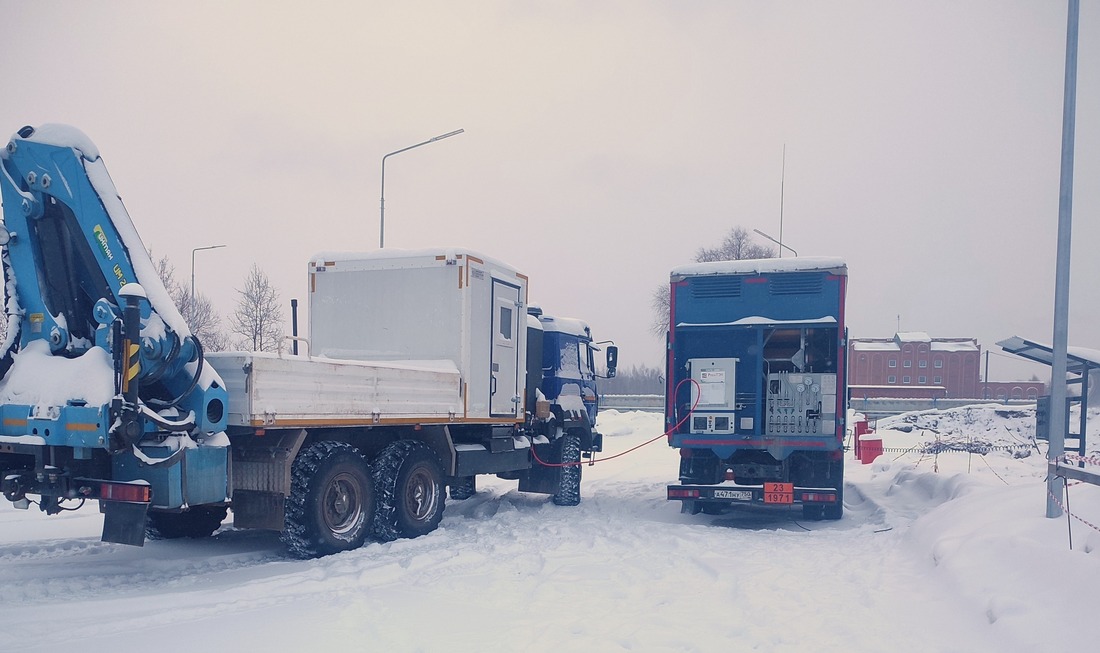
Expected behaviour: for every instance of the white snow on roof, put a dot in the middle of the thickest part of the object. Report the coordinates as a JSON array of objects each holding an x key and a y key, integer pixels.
[
  {"x": 863, "y": 345},
  {"x": 913, "y": 336},
  {"x": 567, "y": 325},
  {"x": 763, "y": 265},
  {"x": 391, "y": 254},
  {"x": 1090, "y": 355},
  {"x": 894, "y": 344},
  {"x": 957, "y": 345}
]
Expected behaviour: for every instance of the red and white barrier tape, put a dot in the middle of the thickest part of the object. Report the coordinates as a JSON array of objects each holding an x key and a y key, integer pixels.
[
  {"x": 1065, "y": 510},
  {"x": 1092, "y": 460}
]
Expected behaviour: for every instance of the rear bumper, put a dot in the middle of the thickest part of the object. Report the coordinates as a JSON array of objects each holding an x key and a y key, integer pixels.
[
  {"x": 769, "y": 494},
  {"x": 164, "y": 477},
  {"x": 779, "y": 447},
  {"x": 59, "y": 484}
]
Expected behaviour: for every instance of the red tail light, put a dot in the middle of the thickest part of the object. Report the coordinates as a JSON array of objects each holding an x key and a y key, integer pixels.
[{"x": 125, "y": 492}]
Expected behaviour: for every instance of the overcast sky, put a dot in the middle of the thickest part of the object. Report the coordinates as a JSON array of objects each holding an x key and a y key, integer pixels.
[{"x": 604, "y": 143}]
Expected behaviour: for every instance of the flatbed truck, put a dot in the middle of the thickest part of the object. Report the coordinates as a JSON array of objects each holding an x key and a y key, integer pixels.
[{"x": 423, "y": 370}]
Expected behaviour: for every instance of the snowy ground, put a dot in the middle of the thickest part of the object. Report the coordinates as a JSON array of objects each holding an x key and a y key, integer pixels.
[{"x": 944, "y": 551}]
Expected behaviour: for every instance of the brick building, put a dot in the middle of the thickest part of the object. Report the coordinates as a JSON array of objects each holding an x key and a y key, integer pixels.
[
  {"x": 1003, "y": 391},
  {"x": 914, "y": 365}
]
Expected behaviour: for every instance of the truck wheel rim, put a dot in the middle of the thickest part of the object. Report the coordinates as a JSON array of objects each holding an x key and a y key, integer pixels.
[
  {"x": 342, "y": 504},
  {"x": 421, "y": 494}
]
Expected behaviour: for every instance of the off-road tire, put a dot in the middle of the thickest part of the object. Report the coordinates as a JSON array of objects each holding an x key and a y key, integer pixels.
[
  {"x": 409, "y": 479},
  {"x": 568, "y": 453},
  {"x": 197, "y": 522},
  {"x": 332, "y": 501}
]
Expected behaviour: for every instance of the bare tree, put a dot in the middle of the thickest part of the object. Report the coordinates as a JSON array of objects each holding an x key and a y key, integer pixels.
[
  {"x": 660, "y": 303},
  {"x": 202, "y": 320},
  {"x": 736, "y": 246},
  {"x": 198, "y": 312},
  {"x": 258, "y": 319}
]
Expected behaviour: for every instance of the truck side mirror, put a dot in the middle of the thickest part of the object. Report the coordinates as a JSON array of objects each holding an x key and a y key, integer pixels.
[{"x": 612, "y": 360}]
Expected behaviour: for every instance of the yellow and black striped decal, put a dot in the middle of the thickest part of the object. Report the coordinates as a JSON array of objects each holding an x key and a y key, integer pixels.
[{"x": 131, "y": 365}]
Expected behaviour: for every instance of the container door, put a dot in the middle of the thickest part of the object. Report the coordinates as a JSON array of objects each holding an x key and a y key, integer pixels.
[{"x": 504, "y": 384}]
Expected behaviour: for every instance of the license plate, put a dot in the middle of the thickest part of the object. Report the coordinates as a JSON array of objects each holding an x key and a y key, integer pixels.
[
  {"x": 779, "y": 493},
  {"x": 740, "y": 495}
]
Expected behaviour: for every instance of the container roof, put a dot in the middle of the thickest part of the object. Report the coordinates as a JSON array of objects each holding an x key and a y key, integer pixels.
[{"x": 831, "y": 264}]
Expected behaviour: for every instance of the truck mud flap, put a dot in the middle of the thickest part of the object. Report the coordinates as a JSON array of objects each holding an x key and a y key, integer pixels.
[
  {"x": 541, "y": 479},
  {"x": 124, "y": 522},
  {"x": 262, "y": 510}
]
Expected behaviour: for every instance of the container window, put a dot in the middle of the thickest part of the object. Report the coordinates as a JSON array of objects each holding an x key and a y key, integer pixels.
[{"x": 505, "y": 323}]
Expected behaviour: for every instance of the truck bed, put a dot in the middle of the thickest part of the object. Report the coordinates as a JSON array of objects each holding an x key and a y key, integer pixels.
[{"x": 272, "y": 390}]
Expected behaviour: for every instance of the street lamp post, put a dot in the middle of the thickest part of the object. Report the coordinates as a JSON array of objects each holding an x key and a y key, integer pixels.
[
  {"x": 382, "y": 217},
  {"x": 777, "y": 243},
  {"x": 193, "y": 269},
  {"x": 1056, "y": 445}
]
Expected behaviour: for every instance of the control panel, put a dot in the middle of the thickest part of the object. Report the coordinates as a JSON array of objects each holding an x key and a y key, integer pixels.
[
  {"x": 713, "y": 394},
  {"x": 800, "y": 404}
]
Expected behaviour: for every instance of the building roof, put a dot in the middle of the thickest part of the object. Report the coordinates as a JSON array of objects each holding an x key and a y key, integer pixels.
[
  {"x": 912, "y": 336},
  {"x": 905, "y": 337}
]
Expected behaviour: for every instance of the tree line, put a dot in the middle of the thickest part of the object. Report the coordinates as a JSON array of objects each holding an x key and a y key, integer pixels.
[
  {"x": 256, "y": 323},
  {"x": 637, "y": 380}
]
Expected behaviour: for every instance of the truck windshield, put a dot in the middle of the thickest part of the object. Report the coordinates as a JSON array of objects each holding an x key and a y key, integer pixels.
[{"x": 569, "y": 361}]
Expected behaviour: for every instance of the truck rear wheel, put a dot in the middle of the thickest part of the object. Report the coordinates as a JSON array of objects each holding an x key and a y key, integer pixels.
[
  {"x": 331, "y": 502},
  {"x": 836, "y": 473},
  {"x": 200, "y": 521},
  {"x": 569, "y": 455},
  {"x": 409, "y": 478}
]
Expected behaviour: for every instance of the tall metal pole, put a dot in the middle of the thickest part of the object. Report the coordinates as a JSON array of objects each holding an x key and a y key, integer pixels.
[
  {"x": 1056, "y": 448},
  {"x": 782, "y": 183},
  {"x": 382, "y": 207},
  {"x": 294, "y": 326},
  {"x": 193, "y": 270},
  {"x": 985, "y": 391}
]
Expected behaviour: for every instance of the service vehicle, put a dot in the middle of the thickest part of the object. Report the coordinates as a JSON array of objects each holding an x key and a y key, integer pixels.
[
  {"x": 757, "y": 393},
  {"x": 422, "y": 370}
]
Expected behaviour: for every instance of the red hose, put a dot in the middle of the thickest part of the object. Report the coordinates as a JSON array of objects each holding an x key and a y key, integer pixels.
[{"x": 666, "y": 434}]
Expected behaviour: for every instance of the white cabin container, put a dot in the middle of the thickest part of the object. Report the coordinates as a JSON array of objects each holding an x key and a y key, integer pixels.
[{"x": 426, "y": 306}]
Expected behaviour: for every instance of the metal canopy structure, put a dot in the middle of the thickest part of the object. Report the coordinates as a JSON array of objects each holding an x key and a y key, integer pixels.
[{"x": 1079, "y": 363}]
